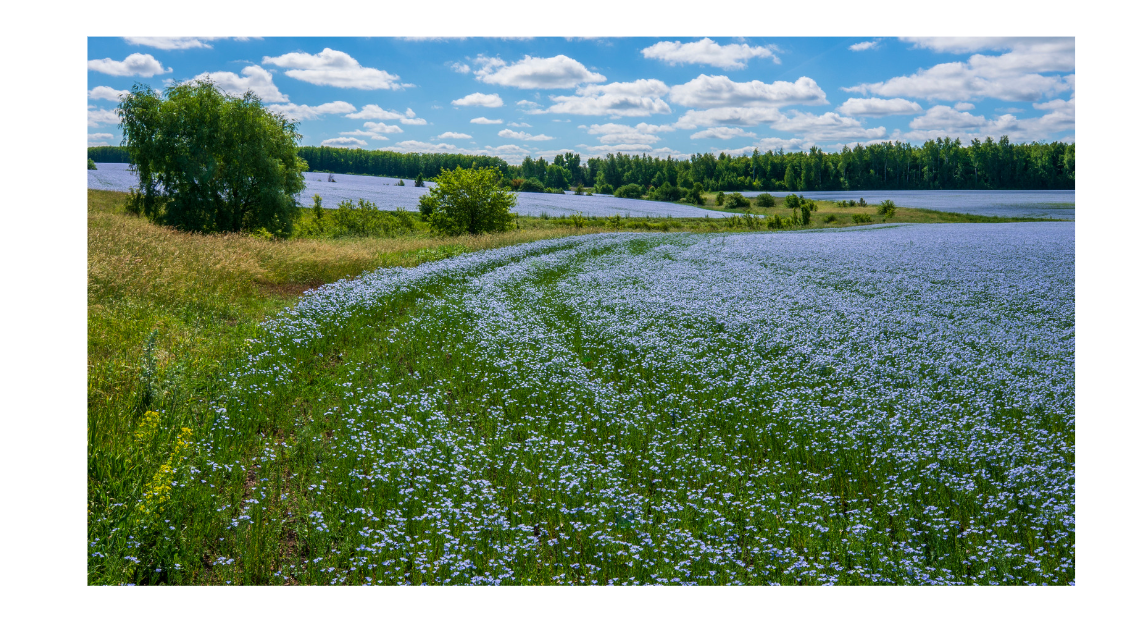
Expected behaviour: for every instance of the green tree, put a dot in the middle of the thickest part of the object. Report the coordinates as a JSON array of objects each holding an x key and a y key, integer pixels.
[
  {"x": 210, "y": 162},
  {"x": 468, "y": 200},
  {"x": 419, "y": 182},
  {"x": 91, "y": 164}
]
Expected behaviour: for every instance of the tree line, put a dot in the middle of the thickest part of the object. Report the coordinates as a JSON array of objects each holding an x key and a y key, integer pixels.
[{"x": 942, "y": 164}]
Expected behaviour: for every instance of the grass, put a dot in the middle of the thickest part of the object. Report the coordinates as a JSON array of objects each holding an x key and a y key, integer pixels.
[{"x": 171, "y": 314}]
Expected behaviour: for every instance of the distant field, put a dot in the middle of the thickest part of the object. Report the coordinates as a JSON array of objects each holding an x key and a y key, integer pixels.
[{"x": 883, "y": 405}]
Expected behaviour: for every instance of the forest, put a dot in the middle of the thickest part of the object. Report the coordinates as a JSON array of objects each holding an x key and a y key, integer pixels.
[{"x": 943, "y": 164}]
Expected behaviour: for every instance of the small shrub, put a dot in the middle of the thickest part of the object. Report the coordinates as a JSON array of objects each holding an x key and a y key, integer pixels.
[
  {"x": 532, "y": 184},
  {"x": 736, "y": 201},
  {"x": 604, "y": 188},
  {"x": 719, "y": 198},
  {"x": 468, "y": 201},
  {"x": 765, "y": 200},
  {"x": 91, "y": 164},
  {"x": 776, "y": 222},
  {"x": 667, "y": 192},
  {"x": 578, "y": 220},
  {"x": 862, "y": 218},
  {"x": 515, "y": 184},
  {"x": 792, "y": 201},
  {"x": 579, "y": 190},
  {"x": 418, "y": 183},
  {"x": 614, "y": 222},
  {"x": 631, "y": 190},
  {"x": 401, "y": 182},
  {"x": 830, "y": 218},
  {"x": 861, "y": 202},
  {"x": 886, "y": 209}
]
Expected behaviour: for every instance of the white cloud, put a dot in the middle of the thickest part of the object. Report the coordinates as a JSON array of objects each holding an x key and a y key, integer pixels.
[
  {"x": 520, "y": 125},
  {"x": 642, "y": 133},
  {"x": 638, "y": 98},
  {"x": 827, "y": 127},
  {"x": 478, "y": 99},
  {"x": 344, "y": 142},
  {"x": 722, "y": 133},
  {"x": 106, "y": 93},
  {"x": 460, "y": 68},
  {"x": 942, "y": 117},
  {"x": 381, "y": 127},
  {"x": 864, "y": 45},
  {"x": 334, "y": 68},
  {"x": 708, "y": 52},
  {"x": 875, "y": 107},
  {"x": 306, "y": 112},
  {"x": 171, "y": 43},
  {"x": 637, "y": 149},
  {"x": 254, "y": 78},
  {"x": 559, "y": 72},
  {"x": 706, "y": 91},
  {"x": 96, "y": 117},
  {"x": 728, "y": 116},
  {"x": 520, "y": 135},
  {"x": 964, "y": 106},
  {"x": 1017, "y": 75},
  {"x": 527, "y": 103},
  {"x": 484, "y": 120},
  {"x": 1061, "y": 117},
  {"x": 450, "y": 135},
  {"x": 771, "y": 143},
  {"x": 98, "y": 139},
  {"x": 136, "y": 64},
  {"x": 975, "y": 44}
]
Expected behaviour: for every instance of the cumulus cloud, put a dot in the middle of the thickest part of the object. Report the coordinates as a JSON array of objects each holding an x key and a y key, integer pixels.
[
  {"x": 708, "y": 52},
  {"x": 875, "y": 107},
  {"x": 864, "y": 45},
  {"x": 344, "y": 142},
  {"x": 964, "y": 106},
  {"x": 106, "y": 93},
  {"x": 771, "y": 143},
  {"x": 98, "y": 139},
  {"x": 521, "y": 135},
  {"x": 638, "y": 98},
  {"x": 484, "y": 120},
  {"x": 334, "y": 68},
  {"x": 171, "y": 43},
  {"x": 136, "y": 64},
  {"x": 942, "y": 117},
  {"x": 827, "y": 127},
  {"x": 642, "y": 133},
  {"x": 460, "y": 68},
  {"x": 527, "y": 103},
  {"x": 722, "y": 133},
  {"x": 254, "y": 79},
  {"x": 975, "y": 44},
  {"x": 96, "y": 117},
  {"x": 520, "y": 125},
  {"x": 307, "y": 112},
  {"x": 728, "y": 116},
  {"x": 450, "y": 135},
  {"x": 636, "y": 149},
  {"x": 704, "y": 92},
  {"x": 559, "y": 72},
  {"x": 1018, "y": 75},
  {"x": 477, "y": 99}
]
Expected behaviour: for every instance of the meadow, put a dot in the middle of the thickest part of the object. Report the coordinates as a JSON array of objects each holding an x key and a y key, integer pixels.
[{"x": 877, "y": 405}]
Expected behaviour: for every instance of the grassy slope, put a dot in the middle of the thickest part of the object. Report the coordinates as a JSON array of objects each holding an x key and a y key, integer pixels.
[{"x": 199, "y": 298}]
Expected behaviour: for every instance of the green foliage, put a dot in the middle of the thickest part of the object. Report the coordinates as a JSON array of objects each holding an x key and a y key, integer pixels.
[
  {"x": 210, "y": 162},
  {"x": 829, "y": 218},
  {"x": 419, "y": 182},
  {"x": 765, "y": 200},
  {"x": 401, "y": 183},
  {"x": 317, "y": 207},
  {"x": 792, "y": 201},
  {"x": 777, "y": 222},
  {"x": 357, "y": 220},
  {"x": 579, "y": 190},
  {"x": 695, "y": 195},
  {"x": 578, "y": 220},
  {"x": 468, "y": 201},
  {"x": 532, "y": 184},
  {"x": 604, "y": 188},
  {"x": 886, "y": 209},
  {"x": 861, "y": 218},
  {"x": 91, "y": 164},
  {"x": 631, "y": 190},
  {"x": 736, "y": 201},
  {"x": 666, "y": 192},
  {"x": 861, "y": 202},
  {"x": 804, "y": 210},
  {"x": 719, "y": 198},
  {"x": 108, "y": 154}
]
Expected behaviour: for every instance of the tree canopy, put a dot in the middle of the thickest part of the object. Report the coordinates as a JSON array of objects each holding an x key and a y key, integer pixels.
[
  {"x": 211, "y": 162},
  {"x": 468, "y": 200}
]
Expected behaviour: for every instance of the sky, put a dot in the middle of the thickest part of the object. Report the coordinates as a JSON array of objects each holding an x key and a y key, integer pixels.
[{"x": 660, "y": 96}]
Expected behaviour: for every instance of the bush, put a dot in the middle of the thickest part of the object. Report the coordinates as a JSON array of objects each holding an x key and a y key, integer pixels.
[
  {"x": 516, "y": 183},
  {"x": 667, "y": 192},
  {"x": 694, "y": 195},
  {"x": 210, "y": 162},
  {"x": 400, "y": 182},
  {"x": 861, "y": 218},
  {"x": 468, "y": 201},
  {"x": 419, "y": 182},
  {"x": 830, "y": 218},
  {"x": 736, "y": 201},
  {"x": 631, "y": 190},
  {"x": 532, "y": 184},
  {"x": 792, "y": 201},
  {"x": 719, "y": 198},
  {"x": 579, "y": 190},
  {"x": 603, "y": 188},
  {"x": 91, "y": 164},
  {"x": 861, "y": 202},
  {"x": 886, "y": 209},
  {"x": 765, "y": 200},
  {"x": 777, "y": 222}
]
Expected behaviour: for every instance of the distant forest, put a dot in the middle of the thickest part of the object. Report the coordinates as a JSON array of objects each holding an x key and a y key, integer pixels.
[{"x": 942, "y": 164}]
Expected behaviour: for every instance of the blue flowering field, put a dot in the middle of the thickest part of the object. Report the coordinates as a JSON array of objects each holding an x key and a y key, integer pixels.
[{"x": 884, "y": 405}]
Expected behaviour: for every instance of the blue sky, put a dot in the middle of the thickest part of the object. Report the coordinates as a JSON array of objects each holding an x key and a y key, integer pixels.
[{"x": 660, "y": 96}]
